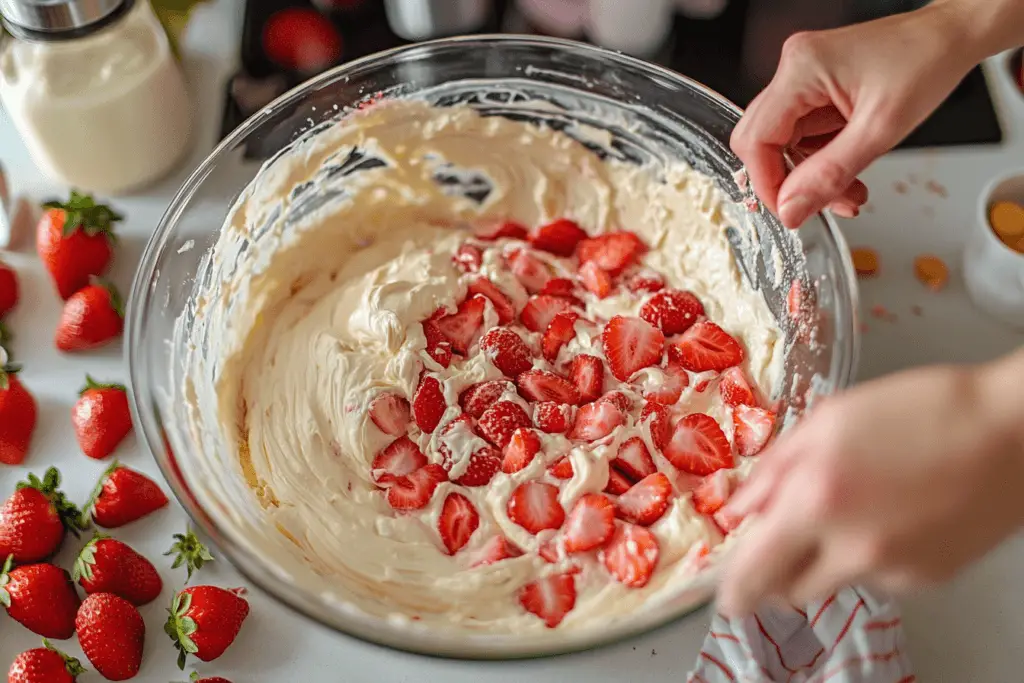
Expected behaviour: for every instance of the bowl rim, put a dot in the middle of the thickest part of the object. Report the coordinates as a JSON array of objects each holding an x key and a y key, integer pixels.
[{"x": 247, "y": 563}]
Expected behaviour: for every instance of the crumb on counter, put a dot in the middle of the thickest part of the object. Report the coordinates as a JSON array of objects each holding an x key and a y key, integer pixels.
[
  {"x": 865, "y": 261},
  {"x": 882, "y": 313},
  {"x": 936, "y": 188},
  {"x": 931, "y": 271},
  {"x": 900, "y": 187}
]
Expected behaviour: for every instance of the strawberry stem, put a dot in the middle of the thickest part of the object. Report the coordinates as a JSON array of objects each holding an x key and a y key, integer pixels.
[
  {"x": 189, "y": 551},
  {"x": 73, "y": 666},
  {"x": 70, "y": 516},
  {"x": 81, "y": 210},
  {"x": 93, "y": 385}
]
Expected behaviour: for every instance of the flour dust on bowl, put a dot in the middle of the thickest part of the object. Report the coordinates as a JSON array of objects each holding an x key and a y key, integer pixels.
[{"x": 412, "y": 345}]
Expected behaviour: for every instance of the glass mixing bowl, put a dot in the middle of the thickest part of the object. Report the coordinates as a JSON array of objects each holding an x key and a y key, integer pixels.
[{"x": 551, "y": 82}]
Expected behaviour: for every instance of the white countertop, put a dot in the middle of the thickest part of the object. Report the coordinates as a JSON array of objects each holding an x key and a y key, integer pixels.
[{"x": 966, "y": 631}]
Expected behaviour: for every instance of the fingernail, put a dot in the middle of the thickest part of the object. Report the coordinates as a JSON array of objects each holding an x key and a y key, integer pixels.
[
  {"x": 795, "y": 211},
  {"x": 845, "y": 210}
]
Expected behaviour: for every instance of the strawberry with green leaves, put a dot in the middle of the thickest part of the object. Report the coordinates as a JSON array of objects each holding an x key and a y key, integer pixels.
[
  {"x": 75, "y": 241},
  {"x": 204, "y": 621},
  {"x": 106, "y": 565},
  {"x": 111, "y": 633},
  {"x": 122, "y": 496},
  {"x": 92, "y": 316},
  {"x": 101, "y": 418},
  {"x": 188, "y": 550},
  {"x": 18, "y": 413},
  {"x": 44, "y": 665},
  {"x": 40, "y": 597},
  {"x": 34, "y": 519}
]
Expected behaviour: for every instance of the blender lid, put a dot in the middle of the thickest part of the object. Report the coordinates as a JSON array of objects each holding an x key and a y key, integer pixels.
[{"x": 58, "y": 16}]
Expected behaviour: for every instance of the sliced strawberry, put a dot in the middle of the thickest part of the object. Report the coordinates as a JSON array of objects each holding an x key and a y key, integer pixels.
[
  {"x": 634, "y": 460},
  {"x": 414, "y": 491},
  {"x": 646, "y": 501},
  {"x": 390, "y": 412},
  {"x": 631, "y": 344},
  {"x": 428, "y": 404},
  {"x": 438, "y": 346},
  {"x": 712, "y": 492},
  {"x": 596, "y": 420},
  {"x": 659, "y": 421},
  {"x": 596, "y": 281},
  {"x": 558, "y": 237},
  {"x": 532, "y": 273},
  {"x": 590, "y": 523},
  {"x": 735, "y": 389},
  {"x": 458, "y": 520},
  {"x": 520, "y": 451},
  {"x": 619, "y": 400},
  {"x": 617, "y": 483},
  {"x": 550, "y": 598},
  {"x": 534, "y": 506},
  {"x": 560, "y": 286},
  {"x": 505, "y": 230},
  {"x": 706, "y": 346},
  {"x": 479, "y": 397},
  {"x": 461, "y": 327},
  {"x": 507, "y": 351},
  {"x": 587, "y": 374},
  {"x": 468, "y": 258},
  {"x": 672, "y": 311},
  {"x": 483, "y": 465},
  {"x": 560, "y": 331},
  {"x": 645, "y": 281},
  {"x": 540, "y": 310},
  {"x": 541, "y": 385},
  {"x": 562, "y": 469},
  {"x": 631, "y": 555},
  {"x": 752, "y": 428},
  {"x": 699, "y": 446},
  {"x": 400, "y": 459},
  {"x": 612, "y": 252},
  {"x": 503, "y": 306},
  {"x": 668, "y": 393},
  {"x": 551, "y": 417},
  {"x": 499, "y": 422},
  {"x": 495, "y": 550}
]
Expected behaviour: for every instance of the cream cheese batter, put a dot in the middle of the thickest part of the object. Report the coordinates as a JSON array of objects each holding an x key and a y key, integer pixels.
[{"x": 313, "y": 308}]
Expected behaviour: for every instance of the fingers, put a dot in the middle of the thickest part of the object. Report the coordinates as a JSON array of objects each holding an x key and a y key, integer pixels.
[
  {"x": 772, "y": 467},
  {"x": 763, "y": 133},
  {"x": 826, "y": 175},
  {"x": 766, "y": 562}
]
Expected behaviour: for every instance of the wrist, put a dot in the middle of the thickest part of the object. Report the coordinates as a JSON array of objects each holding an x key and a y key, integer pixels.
[{"x": 976, "y": 29}]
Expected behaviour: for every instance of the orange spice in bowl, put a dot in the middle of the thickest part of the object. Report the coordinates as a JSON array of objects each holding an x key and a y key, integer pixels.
[{"x": 1007, "y": 221}]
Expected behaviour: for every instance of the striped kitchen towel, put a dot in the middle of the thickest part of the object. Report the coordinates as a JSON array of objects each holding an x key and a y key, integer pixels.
[{"x": 852, "y": 637}]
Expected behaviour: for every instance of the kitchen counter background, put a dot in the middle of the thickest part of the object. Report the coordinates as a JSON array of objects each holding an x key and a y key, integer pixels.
[{"x": 922, "y": 201}]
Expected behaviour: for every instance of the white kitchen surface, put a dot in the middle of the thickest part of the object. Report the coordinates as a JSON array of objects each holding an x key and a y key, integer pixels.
[{"x": 967, "y": 631}]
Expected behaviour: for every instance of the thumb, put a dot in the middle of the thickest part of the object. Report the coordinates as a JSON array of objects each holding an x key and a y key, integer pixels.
[{"x": 824, "y": 177}]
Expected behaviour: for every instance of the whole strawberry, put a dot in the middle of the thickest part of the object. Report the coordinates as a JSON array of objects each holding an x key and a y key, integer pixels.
[
  {"x": 75, "y": 241},
  {"x": 17, "y": 415},
  {"x": 122, "y": 496},
  {"x": 101, "y": 418},
  {"x": 44, "y": 665},
  {"x": 41, "y": 598},
  {"x": 8, "y": 289},
  {"x": 34, "y": 519},
  {"x": 204, "y": 621},
  {"x": 92, "y": 316},
  {"x": 111, "y": 633},
  {"x": 106, "y": 565}
]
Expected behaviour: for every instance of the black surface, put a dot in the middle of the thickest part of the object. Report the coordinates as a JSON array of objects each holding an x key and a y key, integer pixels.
[{"x": 709, "y": 51}]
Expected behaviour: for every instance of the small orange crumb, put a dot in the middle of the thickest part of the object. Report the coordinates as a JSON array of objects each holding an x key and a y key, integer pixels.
[
  {"x": 865, "y": 260},
  {"x": 900, "y": 187},
  {"x": 931, "y": 271},
  {"x": 882, "y": 313},
  {"x": 936, "y": 189},
  {"x": 917, "y": 310}
]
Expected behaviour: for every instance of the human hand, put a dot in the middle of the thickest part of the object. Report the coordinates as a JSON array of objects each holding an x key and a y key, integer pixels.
[
  {"x": 897, "y": 483},
  {"x": 842, "y": 98}
]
